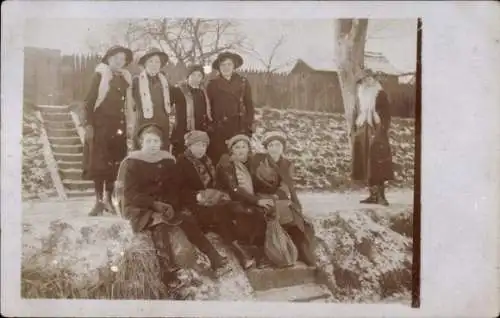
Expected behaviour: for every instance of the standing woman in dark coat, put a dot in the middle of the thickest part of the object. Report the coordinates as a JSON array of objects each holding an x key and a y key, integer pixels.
[
  {"x": 372, "y": 158},
  {"x": 152, "y": 94},
  {"x": 105, "y": 125},
  {"x": 192, "y": 108},
  {"x": 231, "y": 101}
]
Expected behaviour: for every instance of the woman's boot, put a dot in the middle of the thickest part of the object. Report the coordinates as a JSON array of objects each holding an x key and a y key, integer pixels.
[
  {"x": 381, "y": 196},
  {"x": 98, "y": 208},
  {"x": 246, "y": 260},
  {"x": 372, "y": 199}
]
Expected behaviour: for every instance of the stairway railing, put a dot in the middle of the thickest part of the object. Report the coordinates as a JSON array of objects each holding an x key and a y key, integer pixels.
[{"x": 50, "y": 159}]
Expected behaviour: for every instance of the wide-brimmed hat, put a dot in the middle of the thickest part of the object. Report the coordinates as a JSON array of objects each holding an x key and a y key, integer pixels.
[
  {"x": 195, "y": 136},
  {"x": 274, "y": 135},
  {"x": 237, "y": 59},
  {"x": 154, "y": 127},
  {"x": 231, "y": 141},
  {"x": 195, "y": 68},
  {"x": 117, "y": 49},
  {"x": 151, "y": 52},
  {"x": 364, "y": 73}
]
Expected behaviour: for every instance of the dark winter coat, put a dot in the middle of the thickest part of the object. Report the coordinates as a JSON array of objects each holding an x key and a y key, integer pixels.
[
  {"x": 146, "y": 182},
  {"x": 201, "y": 119},
  {"x": 249, "y": 217},
  {"x": 191, "y": 182},
  {"x": 371, "y": 150},
  {"x": 232, "y": 111},
  {"x": 160, "y": 117},
  {"x": 102, "y": 156}
]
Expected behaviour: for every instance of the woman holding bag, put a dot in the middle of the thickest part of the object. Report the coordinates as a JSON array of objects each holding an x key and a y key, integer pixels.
[
  {"x": 248, "y": 210},
  {"x": 274, "y": 179}
]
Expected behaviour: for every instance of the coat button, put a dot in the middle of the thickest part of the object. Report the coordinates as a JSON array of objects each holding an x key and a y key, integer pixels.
[{"x": 160, "y": 165}]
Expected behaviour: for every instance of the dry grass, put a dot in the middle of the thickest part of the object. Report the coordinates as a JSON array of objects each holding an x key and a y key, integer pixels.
[{"x": 134, "y": 276}]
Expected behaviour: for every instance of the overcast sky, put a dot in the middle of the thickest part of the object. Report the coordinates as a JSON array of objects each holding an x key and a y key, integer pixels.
[{"x": 312, "y": 40}]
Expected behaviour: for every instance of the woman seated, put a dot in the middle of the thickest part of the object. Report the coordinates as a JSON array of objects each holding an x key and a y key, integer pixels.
[
  {"x": 207, "y": 205},
  {"x": 248, "y": 210},
  {"x": 274, "y": 178},
  {"x": 150, "y": 202}
]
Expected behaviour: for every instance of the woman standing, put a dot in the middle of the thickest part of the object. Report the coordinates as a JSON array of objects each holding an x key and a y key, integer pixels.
[
  {"x": 231, "y": 101},
  {"x": 372, "y": 158},
  {"x": 192, "y": 108},
  {"x": 274, "y": 176},
  {"x": 152, "y": 94},
  {"x": 234, "y": 177},
  {"x": 105, "y": 125}
]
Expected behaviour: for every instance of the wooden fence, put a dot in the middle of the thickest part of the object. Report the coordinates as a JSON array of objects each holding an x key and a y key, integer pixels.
[{"x": 54, "y": 79}]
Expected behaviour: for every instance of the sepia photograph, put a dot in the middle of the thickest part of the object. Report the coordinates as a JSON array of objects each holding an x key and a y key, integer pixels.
[{"x": 220, "y": 159}]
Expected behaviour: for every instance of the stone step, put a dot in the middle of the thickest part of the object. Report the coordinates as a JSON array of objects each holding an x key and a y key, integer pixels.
[
  {"x": 68, "y": 133},
  {"x": 70, "y": 149},
  {"x": 268, "y": 278},
  {"x": 45, "y": 109},
  {"x": 62, "y": 164},
  {"x": 80, "y": 193},
  {"x": 56, "y": 116},
  {"x": 71, "y": 173},
  {"x": 78, "y": 185},
  {"x": 298, "y": 293},
  {"x": 70, "y": 157},
  {"x": 59, "y": 124},
  {"x": 65, "y": 141}
]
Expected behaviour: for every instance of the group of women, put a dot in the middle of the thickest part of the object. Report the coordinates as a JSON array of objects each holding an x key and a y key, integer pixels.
[{"x": 203, "y": 175}]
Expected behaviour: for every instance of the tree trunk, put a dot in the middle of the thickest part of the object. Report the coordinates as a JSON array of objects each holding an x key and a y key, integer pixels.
[{"x": 351, "y": 37}]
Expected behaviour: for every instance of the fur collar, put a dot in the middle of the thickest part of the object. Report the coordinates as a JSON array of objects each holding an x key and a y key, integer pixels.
[{"x": 151, "y": 158}]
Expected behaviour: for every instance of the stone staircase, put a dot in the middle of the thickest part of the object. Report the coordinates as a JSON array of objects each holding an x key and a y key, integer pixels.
[
  {"x": 294, "y": 284},
  {"x": 66, "y": 145}
]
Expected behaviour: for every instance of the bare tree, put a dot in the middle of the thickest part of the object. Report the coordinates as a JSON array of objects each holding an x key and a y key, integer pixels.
[
  {"x": 269, "y": 61},
  {"x": 351, "y": 38},
  {"x": 188, "y": 40}
]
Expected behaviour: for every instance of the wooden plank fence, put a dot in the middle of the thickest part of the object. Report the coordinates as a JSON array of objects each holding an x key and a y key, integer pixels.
[{"x": 51, "y": 78}]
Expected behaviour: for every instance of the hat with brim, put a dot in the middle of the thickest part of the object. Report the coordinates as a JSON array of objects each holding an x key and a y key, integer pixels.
[
  {"x": 236, "y": 58},
  {"x": 152, "y": 52},
  {"x": 233, "y": 140},
  {"x": 364, "y": 73},
  {"x": 118, "y": 49},
  {"x": 155, "y": 128}
]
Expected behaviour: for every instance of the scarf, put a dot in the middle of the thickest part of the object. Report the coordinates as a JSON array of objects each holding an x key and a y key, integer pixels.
[
  {"x": 367, "y": 96},
  {"x": 190, "y": 124},
  {"x": 106, "y": 75},
  {"x": 243, "y": 176},
  {"x": 205, "y": 170},
  {"x": 147, "y": 104}
]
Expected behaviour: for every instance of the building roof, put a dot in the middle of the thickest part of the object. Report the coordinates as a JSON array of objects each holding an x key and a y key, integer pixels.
[{"x": 373, "y": 60}]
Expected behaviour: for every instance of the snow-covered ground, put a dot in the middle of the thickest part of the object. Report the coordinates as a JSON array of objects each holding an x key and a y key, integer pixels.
[{"x": 316, "y": 204}]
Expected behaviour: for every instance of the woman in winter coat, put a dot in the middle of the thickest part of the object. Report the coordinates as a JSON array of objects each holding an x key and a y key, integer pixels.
[
  {"x": 209, "y": 207},
  {"x": 372, "y": 158},
  {"x": 105, "y": 125},
  {"x": 152, "y": 94},
  {"x": 231, "y": 102},
  {"x": 192, "y": 107},
  {"x": 274, "y": 176},
  {"x": 150, "y": 201},
  {"x": 234, "y": 177}
]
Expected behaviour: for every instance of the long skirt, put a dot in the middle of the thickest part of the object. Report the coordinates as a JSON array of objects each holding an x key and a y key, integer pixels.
[
  {"x": 103, "y": 155},
  {"x": 372, "y": 157},
  {"x": 250, "y": 222}
]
